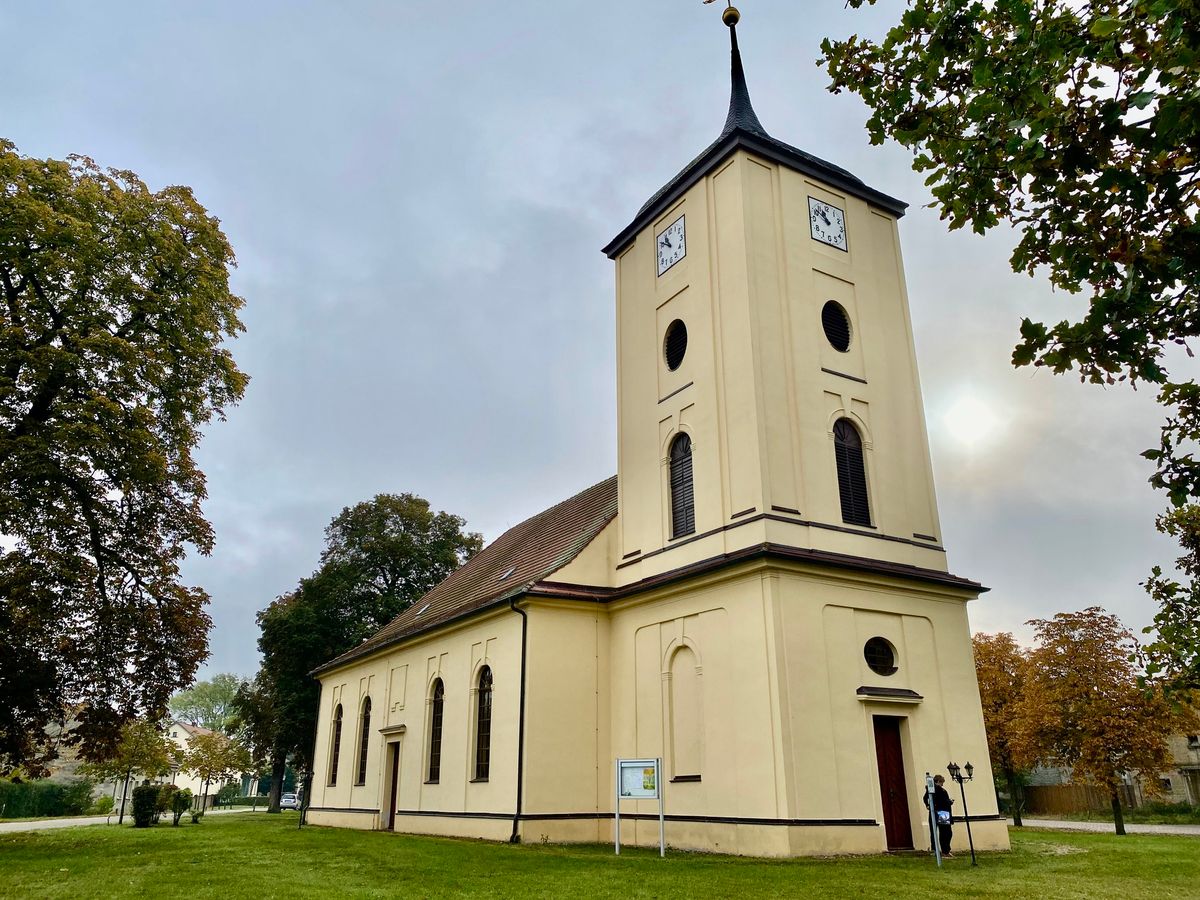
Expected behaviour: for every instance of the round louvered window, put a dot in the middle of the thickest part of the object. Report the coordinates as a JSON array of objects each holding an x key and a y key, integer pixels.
[
  {"x": 675, "y": 344},
  {"x": 837, "y": 325},
  {"x": 880, "y": 656}
]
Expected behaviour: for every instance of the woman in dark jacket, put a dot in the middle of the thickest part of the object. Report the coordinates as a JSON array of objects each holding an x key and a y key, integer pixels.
[{"x": 941, "y": 810}]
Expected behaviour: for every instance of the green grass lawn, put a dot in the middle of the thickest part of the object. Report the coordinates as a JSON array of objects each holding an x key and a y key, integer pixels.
[{"x": 260, "y": 856}]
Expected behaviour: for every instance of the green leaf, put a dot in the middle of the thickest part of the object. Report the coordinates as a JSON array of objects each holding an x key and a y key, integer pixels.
[{"x": 1105, "y": 26}]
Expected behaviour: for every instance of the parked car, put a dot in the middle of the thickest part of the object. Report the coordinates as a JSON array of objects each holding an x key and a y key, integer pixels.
[{"x": 289, "y": 801}]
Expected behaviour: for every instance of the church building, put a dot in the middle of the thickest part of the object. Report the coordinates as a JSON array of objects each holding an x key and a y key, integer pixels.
[{"x": 760, "y": 596}]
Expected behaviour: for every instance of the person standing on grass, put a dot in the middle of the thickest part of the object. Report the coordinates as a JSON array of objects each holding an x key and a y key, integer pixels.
[{"x": 941, "y": 811}]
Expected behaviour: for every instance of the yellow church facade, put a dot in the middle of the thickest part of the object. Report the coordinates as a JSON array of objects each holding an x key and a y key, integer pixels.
[{"x": 760, "y": 597}]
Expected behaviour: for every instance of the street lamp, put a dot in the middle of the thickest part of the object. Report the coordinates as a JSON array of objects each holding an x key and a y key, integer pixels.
[{"x": 957, "y": 774}]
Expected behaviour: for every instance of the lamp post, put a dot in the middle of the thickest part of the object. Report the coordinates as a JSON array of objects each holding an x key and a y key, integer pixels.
[{"x": 957, "y": 774}]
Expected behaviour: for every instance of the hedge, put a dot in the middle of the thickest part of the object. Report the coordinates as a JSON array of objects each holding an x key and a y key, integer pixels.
[{"x": 35, "y": 799}]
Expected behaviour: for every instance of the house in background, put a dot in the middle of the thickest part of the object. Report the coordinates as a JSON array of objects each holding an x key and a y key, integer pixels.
[
  {"x": 1181, "y": 783},
  {"x": 1051, "y": 791},
  {"x": 181, "y": 733}
]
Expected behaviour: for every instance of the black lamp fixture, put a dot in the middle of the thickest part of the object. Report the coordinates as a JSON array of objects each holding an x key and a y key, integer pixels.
[{"x": 956, "y": 772}]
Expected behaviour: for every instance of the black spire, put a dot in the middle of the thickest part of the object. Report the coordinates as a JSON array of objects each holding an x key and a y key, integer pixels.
[{"x": 741, "y": 112}]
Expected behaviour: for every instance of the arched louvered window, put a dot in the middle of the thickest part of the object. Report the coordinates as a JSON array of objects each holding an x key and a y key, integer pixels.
[
  {"x": 335, "y": 751},
  {"x": 364, "y": 741},
  {"x": 851, "y": 473},
  {"x": 483, "y": 725},
  {"x": 683, "y": 506},
  {"x": 435, "y": 732}
]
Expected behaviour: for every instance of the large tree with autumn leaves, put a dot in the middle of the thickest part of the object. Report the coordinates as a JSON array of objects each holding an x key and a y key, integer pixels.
[
  {"x": 1082, "y": 706},
  {"x": 1000, "y": 666}
]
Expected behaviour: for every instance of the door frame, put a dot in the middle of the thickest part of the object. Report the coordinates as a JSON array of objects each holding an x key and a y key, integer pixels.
[
  {"x": 900, "y": 723},
  {"x": 391, "y": 791}
]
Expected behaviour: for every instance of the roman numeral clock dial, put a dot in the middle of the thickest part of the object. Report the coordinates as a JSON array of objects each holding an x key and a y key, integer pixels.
[
  {"x": 828, "y": 223},
  {"x": 670, "y": 245}
]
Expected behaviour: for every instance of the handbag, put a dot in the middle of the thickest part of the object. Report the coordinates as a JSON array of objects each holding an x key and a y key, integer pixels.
[{"x": 943, "y": 817}]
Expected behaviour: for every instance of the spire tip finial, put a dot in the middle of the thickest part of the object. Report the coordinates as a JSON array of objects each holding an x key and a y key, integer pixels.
[{"x": 731, "y": 16}]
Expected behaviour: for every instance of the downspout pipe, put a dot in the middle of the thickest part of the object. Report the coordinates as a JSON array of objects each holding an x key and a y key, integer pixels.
[{"x": 515, "y": 837}]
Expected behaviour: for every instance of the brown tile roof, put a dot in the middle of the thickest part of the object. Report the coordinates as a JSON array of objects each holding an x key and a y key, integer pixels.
[{"x": 533, "y": 550}]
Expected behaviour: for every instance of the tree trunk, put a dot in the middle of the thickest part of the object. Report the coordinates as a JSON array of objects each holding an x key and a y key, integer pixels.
[
  {"x": 305, "y": 792},
  {"x": 1118, "y": 817},
  {"x": 278, "y": 770},
  {"x": 1016, "y": 797},
  {"x": 124, "y": 794}
]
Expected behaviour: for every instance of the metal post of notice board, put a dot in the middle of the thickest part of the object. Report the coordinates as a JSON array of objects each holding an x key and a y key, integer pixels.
[{"x": 638, "y": 779}]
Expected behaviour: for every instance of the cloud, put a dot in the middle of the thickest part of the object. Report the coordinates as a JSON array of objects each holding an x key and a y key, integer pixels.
[{"x": 418, "y": 199}]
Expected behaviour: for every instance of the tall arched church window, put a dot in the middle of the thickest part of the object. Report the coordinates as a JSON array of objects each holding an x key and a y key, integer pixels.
[
  {"x": 483, "y": 725},
  {"x": 851, "y": 473},
  {"x": 435, "y": 732},
  {"x": 687, "y": 727},
  {"x": 364, "y": 741},
  {"x": 683, "y": 507},
  {"x": 335, "y": 751}
]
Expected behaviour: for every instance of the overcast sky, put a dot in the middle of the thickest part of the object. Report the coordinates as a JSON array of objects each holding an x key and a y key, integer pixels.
[{"x": 418, "y": 193}]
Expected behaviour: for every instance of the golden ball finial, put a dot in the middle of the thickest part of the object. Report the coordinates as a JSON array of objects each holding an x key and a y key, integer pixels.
[{"x": 731, "y": 16}]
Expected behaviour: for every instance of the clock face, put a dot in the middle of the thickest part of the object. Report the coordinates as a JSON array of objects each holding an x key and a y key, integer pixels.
[
  {"x": 828, "y": 223},
  {"x": 670, "y": 245}
]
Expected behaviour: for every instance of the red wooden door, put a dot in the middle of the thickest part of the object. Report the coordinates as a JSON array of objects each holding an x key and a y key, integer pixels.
[{"x": 892, "y": 786}]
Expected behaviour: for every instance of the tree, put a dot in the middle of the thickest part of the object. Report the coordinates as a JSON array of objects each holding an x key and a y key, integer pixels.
[
  {"x": 257, "y": 725},
  {"x": 1000, "y": 668},
  {"x": 164, "y": 801},
  {"x": 142, "y": 749},
  {"x": 381, "y": 556},
  {"x": 1083, "y": 709},
  {"x": 386, "y": 553},
  {"x": 181, "y": 801},
  {"x": 116, "y": 304},
  {"x": 208, "y": 703},
  {"x": 1079, "y": 125},
  {"x": 214, "y": 757},
  {"x": 1175, "y": 652}
]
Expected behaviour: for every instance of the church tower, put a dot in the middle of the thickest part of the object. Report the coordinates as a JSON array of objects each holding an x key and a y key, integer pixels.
[{"x": 768, "y": 389}]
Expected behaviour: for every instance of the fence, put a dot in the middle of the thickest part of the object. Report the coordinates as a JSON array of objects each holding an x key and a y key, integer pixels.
[{"x": 1057, "y": 799}]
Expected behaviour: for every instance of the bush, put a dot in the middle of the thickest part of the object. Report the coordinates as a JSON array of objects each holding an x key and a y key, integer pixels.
[
  {"x": 166, "y": 792},
  {"x": 31, "y": 799},
  {"x": 227, "y": 794},
  {"x": 77, "y": 798},
  {"x": 102, "y": 806},
  {"x": 260, "y": 800},
  {"x": 181, "y": 801},
  {"x": 197, "y": 815},
  {"x": 145, "y": 801},
  {"x": 1160, "y": 808}
]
